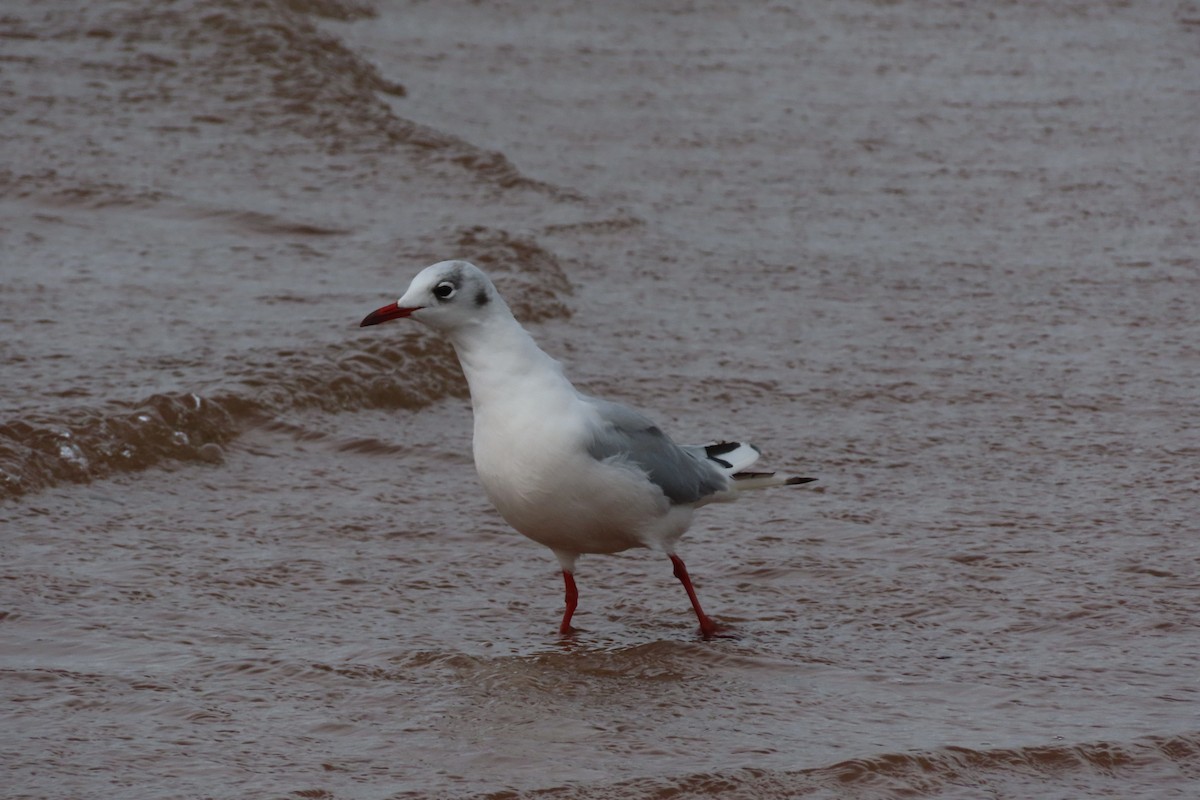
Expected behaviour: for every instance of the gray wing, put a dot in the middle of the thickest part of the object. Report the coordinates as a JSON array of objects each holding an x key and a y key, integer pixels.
[{"x": 624, "y": 434}]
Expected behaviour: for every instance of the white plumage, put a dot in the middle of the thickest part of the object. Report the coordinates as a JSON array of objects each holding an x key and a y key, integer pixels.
[{"x": 572, "y": 472}]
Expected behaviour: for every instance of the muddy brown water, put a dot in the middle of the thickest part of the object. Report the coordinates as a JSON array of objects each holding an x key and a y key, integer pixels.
[{"x": 942, "y": 258}]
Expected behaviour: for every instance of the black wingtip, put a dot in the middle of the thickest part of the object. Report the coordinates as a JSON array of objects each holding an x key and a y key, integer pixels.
[{"x": 797, "y": 481}]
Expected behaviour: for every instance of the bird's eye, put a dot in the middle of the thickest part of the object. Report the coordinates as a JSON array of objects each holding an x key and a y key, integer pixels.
[{"x": 444, "y": 290}]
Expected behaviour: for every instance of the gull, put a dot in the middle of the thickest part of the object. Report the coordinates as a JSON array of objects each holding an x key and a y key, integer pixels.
[{"x": 575, "y": 473}]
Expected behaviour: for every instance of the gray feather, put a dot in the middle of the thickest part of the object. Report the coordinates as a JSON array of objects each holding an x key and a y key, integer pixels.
[{"x": 625, "y": 435}]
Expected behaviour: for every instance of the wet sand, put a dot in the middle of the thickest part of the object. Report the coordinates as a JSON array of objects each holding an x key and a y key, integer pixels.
[{"x": 942, "y": 258}]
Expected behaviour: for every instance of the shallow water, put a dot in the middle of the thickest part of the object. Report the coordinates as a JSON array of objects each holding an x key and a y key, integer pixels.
[{"x": 941, "y": 258}]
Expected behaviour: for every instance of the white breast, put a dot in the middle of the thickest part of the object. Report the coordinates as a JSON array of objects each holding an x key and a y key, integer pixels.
[
  {"x": 536, "y": 470},
  {"x": 532, "y": 432}
]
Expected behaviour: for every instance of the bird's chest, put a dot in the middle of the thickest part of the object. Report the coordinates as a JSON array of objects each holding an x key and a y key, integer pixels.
[
  {"x": 538, "y": 473},
  {"x": 525, "y": 457}
]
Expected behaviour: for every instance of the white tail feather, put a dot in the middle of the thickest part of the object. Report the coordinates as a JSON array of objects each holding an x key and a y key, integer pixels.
[{"x": 731, "y": 457}]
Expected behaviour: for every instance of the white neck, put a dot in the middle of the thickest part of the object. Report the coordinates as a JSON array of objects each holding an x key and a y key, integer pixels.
[{"x": 503, "y": 364}]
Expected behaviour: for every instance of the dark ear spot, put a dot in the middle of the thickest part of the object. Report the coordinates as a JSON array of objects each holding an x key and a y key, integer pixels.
[{"x": 481, "y": 298}]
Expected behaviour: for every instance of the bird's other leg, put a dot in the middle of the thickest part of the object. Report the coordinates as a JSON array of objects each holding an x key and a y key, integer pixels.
[
  {"x": 708, "y": 628},
  {"x": 571, "y": 595}
]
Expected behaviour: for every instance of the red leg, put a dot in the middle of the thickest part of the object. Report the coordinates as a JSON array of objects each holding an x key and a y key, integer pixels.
[
  {"x": 708, "y": 628},
  {"x": 572, "y": 598}
]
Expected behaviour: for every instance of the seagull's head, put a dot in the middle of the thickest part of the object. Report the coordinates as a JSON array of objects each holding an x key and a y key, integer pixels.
[{"x": 447, "y": 296}]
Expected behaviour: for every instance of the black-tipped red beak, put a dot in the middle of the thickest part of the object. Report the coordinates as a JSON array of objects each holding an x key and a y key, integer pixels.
[{"x": 392, "y": 311}]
